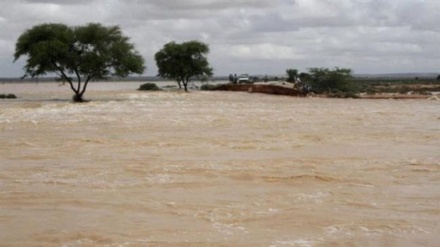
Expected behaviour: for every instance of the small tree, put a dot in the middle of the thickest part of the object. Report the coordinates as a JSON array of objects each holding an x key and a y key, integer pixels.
[
  {"x": 291, "y": 74},
  {"x": 83, "y": 52},
  {"x": 438, "y": 78},
  {"x": 181, "y": 62},
  {"x": 325, "y": 80},
  {"x": 304, "y": 76}
]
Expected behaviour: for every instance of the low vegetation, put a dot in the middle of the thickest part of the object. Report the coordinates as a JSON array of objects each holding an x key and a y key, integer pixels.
[
  {"x": 8, "y": 96},
  {"x": 149, "y": 87}
]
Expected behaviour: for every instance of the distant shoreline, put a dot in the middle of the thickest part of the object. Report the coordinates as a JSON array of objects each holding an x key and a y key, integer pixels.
[
  {"x": 384, "y": 76},
  {"x": 381, "y": 91}
]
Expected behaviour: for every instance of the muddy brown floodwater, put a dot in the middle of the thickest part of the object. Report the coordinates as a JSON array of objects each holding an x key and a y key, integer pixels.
[{"x": 136, "y": 168}]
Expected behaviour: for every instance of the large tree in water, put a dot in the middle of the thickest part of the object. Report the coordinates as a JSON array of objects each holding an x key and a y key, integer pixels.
[
  {"x": 78, "y": 54},
  {"x": 184, "y": 61}
]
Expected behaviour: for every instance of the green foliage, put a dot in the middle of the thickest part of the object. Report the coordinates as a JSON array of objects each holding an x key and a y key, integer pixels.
[
  {"x": 305, "y": 77},
  {"x": 291, "y": 74},
  {"x": 8, "y": 96},
  {"x": 438, "y": 78},
  {"x": 324, "y": 80},
  {"x": 149, "y": 87},
  {"x": 83, "y": 52},
  {"x": 181, "y": 62}
]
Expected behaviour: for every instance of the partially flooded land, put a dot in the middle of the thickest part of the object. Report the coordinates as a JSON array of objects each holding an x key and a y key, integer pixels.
[{"x": 135, "y": 168}]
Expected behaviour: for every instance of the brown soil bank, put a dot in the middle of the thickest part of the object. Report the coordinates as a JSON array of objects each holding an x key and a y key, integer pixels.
[{"x": 268, "y": 89}]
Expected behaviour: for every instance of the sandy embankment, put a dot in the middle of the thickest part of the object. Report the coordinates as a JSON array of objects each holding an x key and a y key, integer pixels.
[
  {"x": 283, "y": 89},
  {"x": 260, "y": 88}
]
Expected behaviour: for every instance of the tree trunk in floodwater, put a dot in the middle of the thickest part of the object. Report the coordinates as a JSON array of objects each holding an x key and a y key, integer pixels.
[{"x": 78, "y": 98}]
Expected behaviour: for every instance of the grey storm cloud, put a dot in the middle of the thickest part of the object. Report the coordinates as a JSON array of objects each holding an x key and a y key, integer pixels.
[{"x": 253, "y": 36}]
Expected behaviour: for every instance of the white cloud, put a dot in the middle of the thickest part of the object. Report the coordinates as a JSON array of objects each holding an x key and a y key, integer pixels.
[{"x": 259, "y": 36}]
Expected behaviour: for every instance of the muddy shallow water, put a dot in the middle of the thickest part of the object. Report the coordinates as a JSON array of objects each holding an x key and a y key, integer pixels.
[{"x": 136, "y": 168}]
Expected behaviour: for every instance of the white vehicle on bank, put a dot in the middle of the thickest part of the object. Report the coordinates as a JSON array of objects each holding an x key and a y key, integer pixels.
[{"x": 244, "y": 78}]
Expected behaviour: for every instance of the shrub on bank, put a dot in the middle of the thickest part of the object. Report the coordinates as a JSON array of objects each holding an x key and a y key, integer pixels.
[
  {"x": 8, "y": 96},
  {"x": 149, "y": 87},
  {"x": 328, "y": 81}
]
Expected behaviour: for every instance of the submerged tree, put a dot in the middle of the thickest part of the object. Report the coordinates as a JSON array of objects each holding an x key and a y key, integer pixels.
[
  {"x": 181, "y": 62},
  {"x": 78, "y": 54}
]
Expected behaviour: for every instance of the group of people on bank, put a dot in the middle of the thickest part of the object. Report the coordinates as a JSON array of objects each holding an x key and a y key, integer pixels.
[{"x": 233, "y": 78}]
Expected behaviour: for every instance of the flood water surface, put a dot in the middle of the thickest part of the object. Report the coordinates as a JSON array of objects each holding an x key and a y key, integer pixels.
[{"x": 137, "y": 168}]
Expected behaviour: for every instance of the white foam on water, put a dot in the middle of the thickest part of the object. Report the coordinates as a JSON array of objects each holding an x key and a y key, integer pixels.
[{"x": 295, "y": 243}]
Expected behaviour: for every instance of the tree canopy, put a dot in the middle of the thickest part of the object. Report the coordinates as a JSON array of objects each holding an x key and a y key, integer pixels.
[
  {"x": 292, "y": 74},
  {"x": 330, "y": 81},
  {"x": 184, "y": 61},
  {"x": 78, "y": 54}
]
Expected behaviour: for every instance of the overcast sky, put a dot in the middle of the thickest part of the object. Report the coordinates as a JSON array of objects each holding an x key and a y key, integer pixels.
[{"x": 253, "y": 36}]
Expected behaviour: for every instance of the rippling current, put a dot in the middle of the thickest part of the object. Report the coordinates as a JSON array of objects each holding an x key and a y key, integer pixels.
[{"x": 137, "y": 168}]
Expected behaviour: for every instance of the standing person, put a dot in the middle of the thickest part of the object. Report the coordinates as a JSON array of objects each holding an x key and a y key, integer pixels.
[{"x": 231, "y": 78}]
